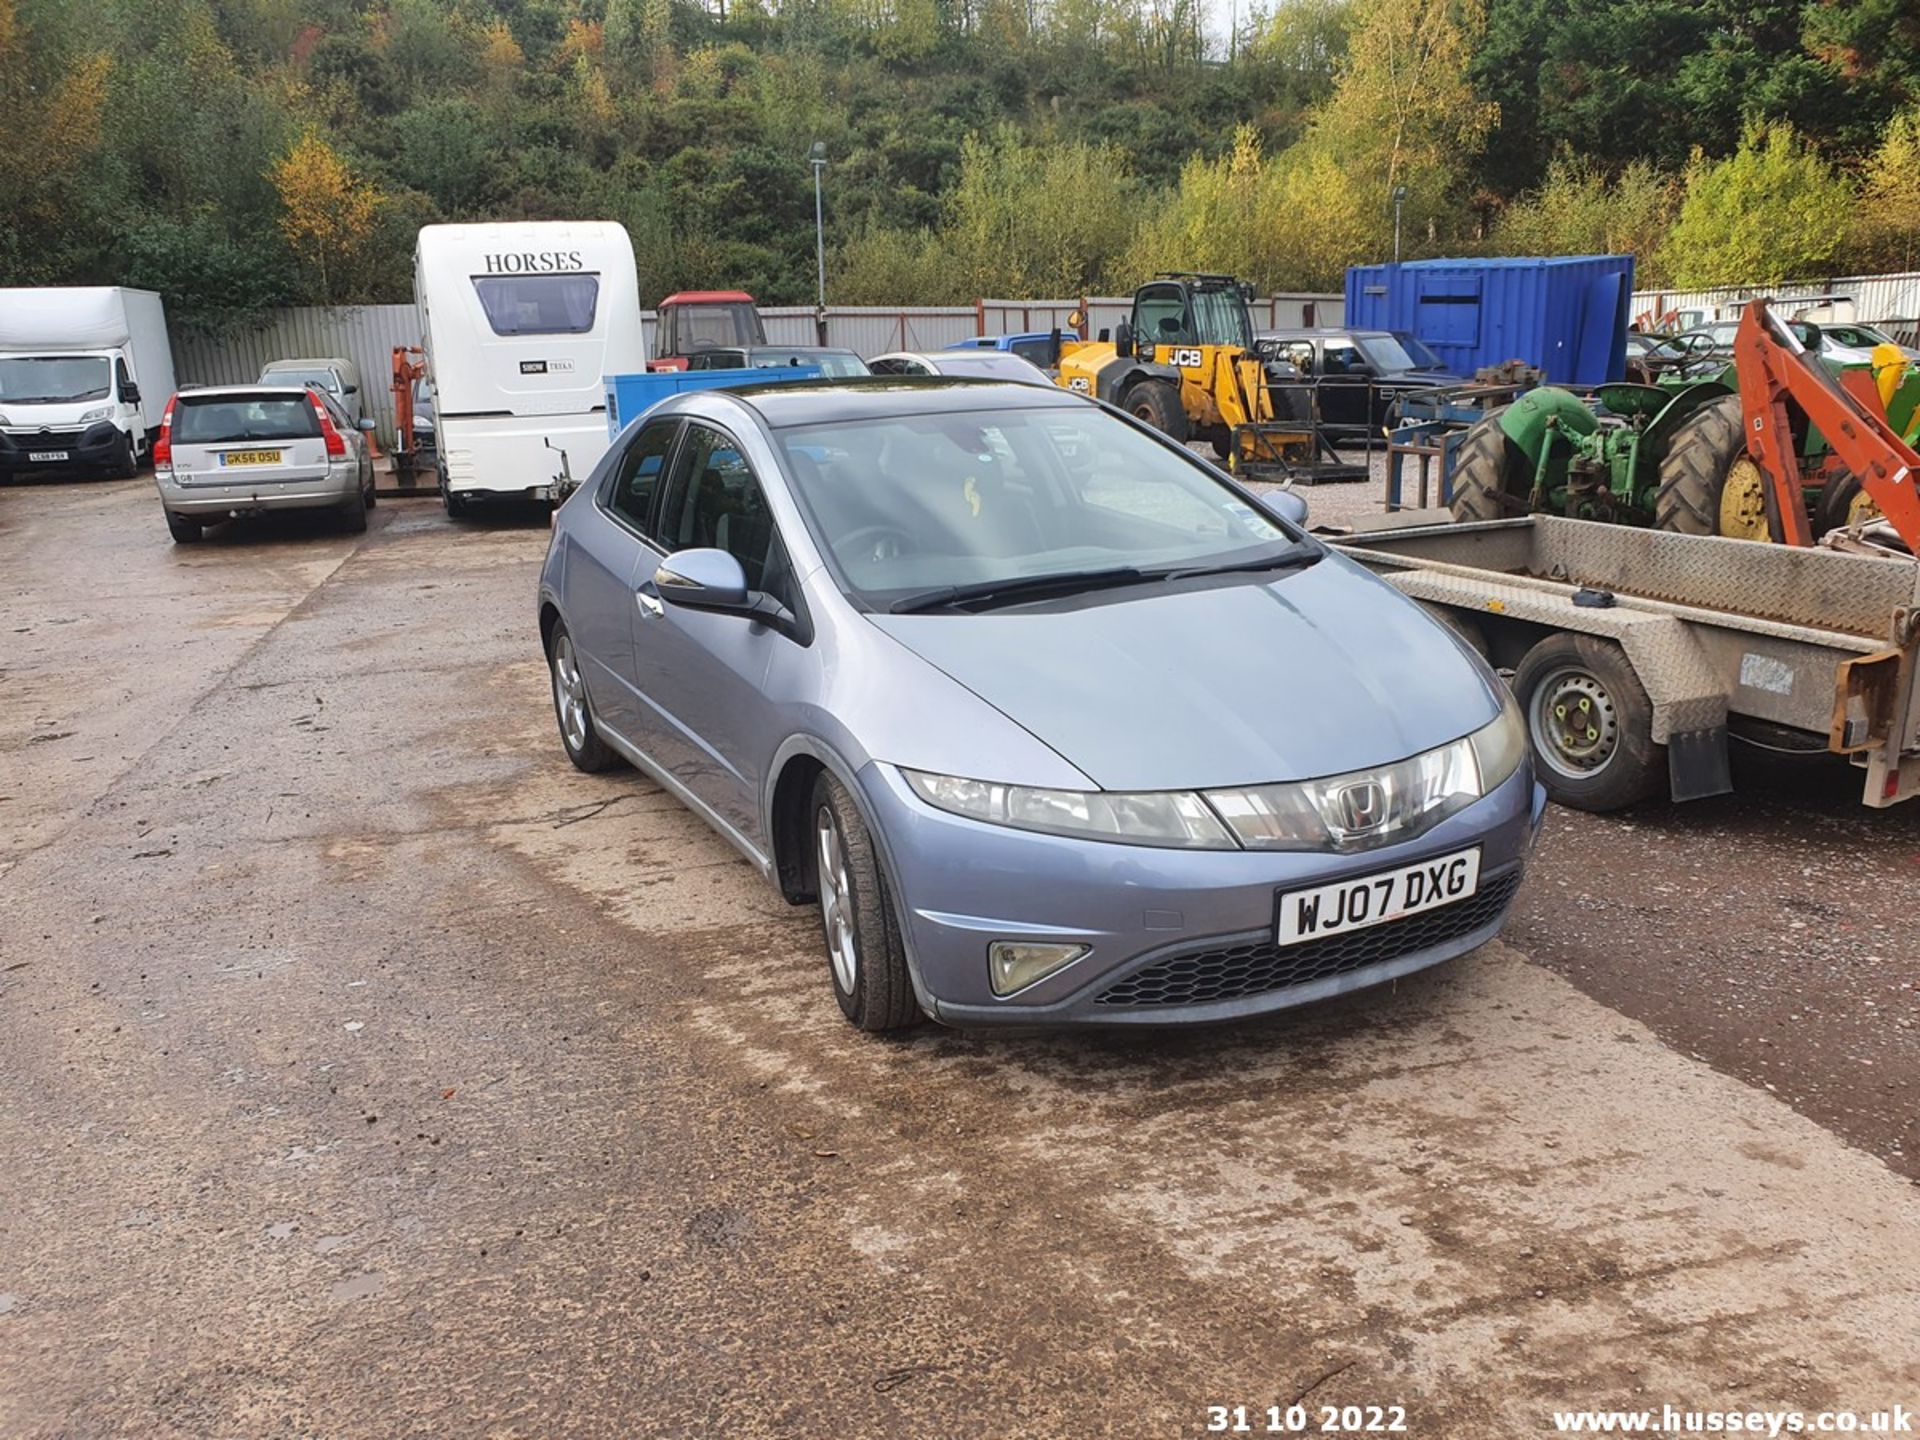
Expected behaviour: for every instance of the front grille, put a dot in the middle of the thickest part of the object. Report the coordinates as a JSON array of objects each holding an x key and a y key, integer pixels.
[{"x": 1259, "y": 969}]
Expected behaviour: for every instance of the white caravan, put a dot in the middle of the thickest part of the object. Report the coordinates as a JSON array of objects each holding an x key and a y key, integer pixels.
[
  {"x": 85, "y": 375},
  {"x": 522, "y": 321}
]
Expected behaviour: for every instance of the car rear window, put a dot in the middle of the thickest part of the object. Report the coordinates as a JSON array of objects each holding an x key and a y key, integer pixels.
[
  {"x": 539, "y": 304},
  {"x": 216, "y": 419}
]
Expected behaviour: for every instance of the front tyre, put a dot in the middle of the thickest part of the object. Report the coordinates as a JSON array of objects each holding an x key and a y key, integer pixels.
[
  {"x": 866, "y": 956},
  {"x": 127, "y": 466},
  {"x": 571, "y": 707},
  {"x": 1158, "y": 403}
]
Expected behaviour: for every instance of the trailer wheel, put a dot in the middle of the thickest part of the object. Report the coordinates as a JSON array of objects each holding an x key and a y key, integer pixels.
[
  {"x": 1590, "y": 723},
  {"x": 1708, "y": 484},
  {"x": 1158, "y": 403},
  {"x": 1489, "y": 473}
]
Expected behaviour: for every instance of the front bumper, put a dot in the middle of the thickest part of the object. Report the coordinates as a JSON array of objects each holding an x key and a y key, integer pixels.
[
  {"x": 100, "y": 446},
  {"x": 1176, "y": 936},
  {"x": 257, "y": 497}
]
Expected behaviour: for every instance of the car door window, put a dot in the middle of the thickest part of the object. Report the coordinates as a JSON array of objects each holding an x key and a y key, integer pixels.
[
  {"x": 1342, "y": 357},
  {"x": 714, "y": 501},
  {"x": 636, "y": 475},
  {"x": 1299, "y": 354}
]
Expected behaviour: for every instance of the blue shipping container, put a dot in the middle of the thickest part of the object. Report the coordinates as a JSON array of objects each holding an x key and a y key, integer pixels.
[
  {"x": 1567, "y": 315},
  {"x": 631, "y": 396}
]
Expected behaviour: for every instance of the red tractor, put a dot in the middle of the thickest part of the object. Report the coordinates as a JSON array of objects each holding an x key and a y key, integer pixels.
[{"x": 696, "y": 320}]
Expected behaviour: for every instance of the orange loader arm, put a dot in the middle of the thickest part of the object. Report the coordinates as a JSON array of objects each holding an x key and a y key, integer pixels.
[{"x": 1775, "y": 369}]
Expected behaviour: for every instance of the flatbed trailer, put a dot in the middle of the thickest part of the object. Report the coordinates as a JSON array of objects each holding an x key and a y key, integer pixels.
[{"x": 1636, "y": 653}]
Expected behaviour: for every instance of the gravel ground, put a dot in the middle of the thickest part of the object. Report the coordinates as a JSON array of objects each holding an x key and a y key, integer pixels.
[{"x": 370, "y": 1071}]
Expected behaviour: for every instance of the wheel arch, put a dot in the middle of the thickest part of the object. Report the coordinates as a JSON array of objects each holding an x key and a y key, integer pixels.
[{"x": 789, "y": 792}]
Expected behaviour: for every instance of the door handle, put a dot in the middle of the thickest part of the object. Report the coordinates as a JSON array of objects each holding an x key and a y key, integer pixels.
[{"x": 649, "y": 605}]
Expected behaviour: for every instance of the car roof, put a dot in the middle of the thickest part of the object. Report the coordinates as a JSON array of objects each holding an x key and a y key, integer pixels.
[
  {"x": 312, "y": 362},
  {"x": 783, "y": 403},
  {"x": 1315, "y": 332}
]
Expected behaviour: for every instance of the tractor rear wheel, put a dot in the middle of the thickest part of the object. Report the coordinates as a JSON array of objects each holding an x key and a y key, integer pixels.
[
  {"x": 1708, "y": 483},
  {"x": 1489, "y": 473},
  {"x": 1158, "y": 403},
  {"x": 1844, "y": 502}
]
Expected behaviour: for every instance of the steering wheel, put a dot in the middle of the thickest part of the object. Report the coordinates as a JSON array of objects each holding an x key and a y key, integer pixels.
[{"x": 875, "y": 542}]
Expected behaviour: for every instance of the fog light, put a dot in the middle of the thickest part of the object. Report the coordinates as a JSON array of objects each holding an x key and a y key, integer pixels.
[{"x": 1016, "y": 964}]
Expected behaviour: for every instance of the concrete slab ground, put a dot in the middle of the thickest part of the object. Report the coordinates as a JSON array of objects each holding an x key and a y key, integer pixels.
[{"x": 367, "y": 1071}]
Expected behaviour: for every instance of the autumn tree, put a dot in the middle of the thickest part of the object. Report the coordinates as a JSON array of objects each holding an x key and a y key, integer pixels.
[
  {"x": 1773, "y": 210},
  {"x": 1404, "y": 111},
  {"x": 327, "y": 214},
  {"x": 1579, "y": 210},
  {"x": 1889, "y": 217}
]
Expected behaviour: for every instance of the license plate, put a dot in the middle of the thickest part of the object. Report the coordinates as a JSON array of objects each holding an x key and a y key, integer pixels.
[
  {"x": 250, "y": 457},
  {"x": 46, "y": 454},
  {"x": 1375, "y": 899}
]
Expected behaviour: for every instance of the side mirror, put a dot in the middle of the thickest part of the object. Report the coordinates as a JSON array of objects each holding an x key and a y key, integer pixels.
[
  {"x": 130, "y": 394},
  {"x": 1123, "y": 340},
  {"x": 365, "y": 423},
  {"x": 349, "y": 389},
  {"x": 1287, "y": 505},
  {"x": 702, "y": 579}
]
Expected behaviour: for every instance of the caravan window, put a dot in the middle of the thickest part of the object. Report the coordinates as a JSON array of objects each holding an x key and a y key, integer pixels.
[{"x": 539, "y": 304}]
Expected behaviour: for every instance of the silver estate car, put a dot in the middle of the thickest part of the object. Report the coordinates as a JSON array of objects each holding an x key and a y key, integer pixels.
[
  {"x": 1055, "y": 722},
  {"x": 243, "y": 449}
]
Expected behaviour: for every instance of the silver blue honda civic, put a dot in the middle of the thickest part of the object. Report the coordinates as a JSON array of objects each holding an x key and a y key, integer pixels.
[{"x": 1055, "y": 722}]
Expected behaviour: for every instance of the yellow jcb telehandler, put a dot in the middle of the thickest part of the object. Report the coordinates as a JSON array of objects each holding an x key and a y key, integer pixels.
[{"x": 1184, "y": 362}]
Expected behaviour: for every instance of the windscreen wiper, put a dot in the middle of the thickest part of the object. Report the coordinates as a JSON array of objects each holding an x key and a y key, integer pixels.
[
  {"x": 1021, "y": 588},
  {"x": 1298, "y": 553}
]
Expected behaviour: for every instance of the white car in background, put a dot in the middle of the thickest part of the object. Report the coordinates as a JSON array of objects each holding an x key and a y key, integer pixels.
[{"x": 967, "y": 364}]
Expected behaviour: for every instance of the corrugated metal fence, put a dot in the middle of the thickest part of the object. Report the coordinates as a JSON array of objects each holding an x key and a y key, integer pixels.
[
  {"x": 367, "y": 334},
  {"x": 1874, "y": 297},
  {"x": 364, "y": 334}
]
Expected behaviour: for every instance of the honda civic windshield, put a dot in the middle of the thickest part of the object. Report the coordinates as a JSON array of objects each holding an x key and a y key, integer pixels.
[
  {"x": 915, "y": 505},
  {"x": 50, "y": 379}
]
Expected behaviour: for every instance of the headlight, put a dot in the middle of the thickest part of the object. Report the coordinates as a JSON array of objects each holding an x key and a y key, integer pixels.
[
  {"x": 1384, "y": 805},
  {"x": 99, "y": 412},
  {"x": 4, "y": 420},
  {"x": 1361, "y": 810},
  {"x": 1175, "y": 818}
]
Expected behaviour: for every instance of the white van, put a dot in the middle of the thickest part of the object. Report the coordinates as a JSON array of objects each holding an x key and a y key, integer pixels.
[
  {"x": 85, "y": 375},
  {"x": 522, "y": 321}
]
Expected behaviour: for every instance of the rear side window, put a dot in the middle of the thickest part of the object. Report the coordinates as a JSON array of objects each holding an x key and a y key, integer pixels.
[
  {"x": 213, "y": 420},
  {"x": 539, "y": 304}
]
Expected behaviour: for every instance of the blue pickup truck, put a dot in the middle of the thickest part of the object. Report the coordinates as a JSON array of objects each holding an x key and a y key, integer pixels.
[{"x": 1035, "y": 349}]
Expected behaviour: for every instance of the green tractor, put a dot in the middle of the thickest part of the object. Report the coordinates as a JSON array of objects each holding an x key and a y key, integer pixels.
[{"x": 1671, "y": 455}]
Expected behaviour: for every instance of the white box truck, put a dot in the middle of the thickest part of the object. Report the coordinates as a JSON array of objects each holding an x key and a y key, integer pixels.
[
  {"x": 522, "y": 321},
  {"x": 85, "y": 375}
]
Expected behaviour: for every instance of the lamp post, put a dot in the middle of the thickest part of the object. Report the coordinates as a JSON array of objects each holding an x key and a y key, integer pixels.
[
  {"x": 817, "y": 157},
  {"x": 1399, "y": 199}
]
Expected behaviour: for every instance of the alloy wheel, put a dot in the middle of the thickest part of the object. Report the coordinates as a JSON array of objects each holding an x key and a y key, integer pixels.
[
  {"x": 836, "y": 900},
  {"x": 569, "y": 693}
]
